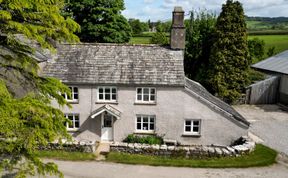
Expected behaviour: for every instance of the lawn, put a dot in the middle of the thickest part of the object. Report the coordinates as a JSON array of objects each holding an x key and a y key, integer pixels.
[
  {"x": 262, "y": 156},
  {"x": 67, "y": 156}
]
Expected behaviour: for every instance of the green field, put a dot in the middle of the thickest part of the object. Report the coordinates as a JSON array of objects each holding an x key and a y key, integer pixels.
[
  {"x": 140, "y": 40},
  {"x": 279, "y": 41}
]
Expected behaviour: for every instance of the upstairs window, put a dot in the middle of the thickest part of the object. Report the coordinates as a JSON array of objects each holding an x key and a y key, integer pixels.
[
  {"x": 192, "y": 126},
  {"x": 107, "y": 94},
  {"x": 75, "y": 121},
  {"x": 74, "y": 94},
  {"x": 145, "y": 123},
  {"x": 146, "y": 95}
]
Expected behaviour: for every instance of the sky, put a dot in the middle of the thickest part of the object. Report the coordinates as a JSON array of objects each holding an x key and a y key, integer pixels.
[{"x": 162, "y": 9}]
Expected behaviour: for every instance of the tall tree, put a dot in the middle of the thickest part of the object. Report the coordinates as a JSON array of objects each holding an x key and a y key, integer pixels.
[
  {"x": 28, "y": 120},
  {"x": 199, "y": 36},
  {"x": 100, "y": 20},
  {"x": 229, "y": 60}
]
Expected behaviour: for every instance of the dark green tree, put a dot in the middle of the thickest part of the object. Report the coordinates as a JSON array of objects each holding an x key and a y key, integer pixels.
[
  {"x": 159, "y": 38},
  {"x": 229, "y": 60},
  {"x": 199, "y": 36},
  {"x": 100, "y": 20},
  {"x": 27, "y": 119},
  {"x": 137, "y": 26},
  {"x": 256, "y": 48}
]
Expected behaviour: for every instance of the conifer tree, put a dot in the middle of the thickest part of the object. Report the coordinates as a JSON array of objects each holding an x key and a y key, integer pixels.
[
  {"x": 27, "y": 119},
  {"x": 229, "y": 60}
]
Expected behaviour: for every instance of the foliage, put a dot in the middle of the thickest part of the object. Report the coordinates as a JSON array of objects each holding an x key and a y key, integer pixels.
[
  {"x": 151, "y": 139},
  {"x": 163, "y": 26},
  {"x": 28, "y": 120},
  {"x": 100, "y": 20},
  {"x": 256, "y": 49},
  {"x": 229, "y": 60},
  {"x": 137, "y": 26},
  {"x": 271, "y": 51},
  {"x": 66, "y": 155},
  {"x": 199, "y": 36},
  {"x": 255, "y": 76},
  {"x": 261, "y": 156},
  {"x": 159, "y": 38}
]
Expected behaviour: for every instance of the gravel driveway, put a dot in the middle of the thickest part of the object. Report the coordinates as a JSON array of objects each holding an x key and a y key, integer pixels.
[{"x": 268, "y": 122}]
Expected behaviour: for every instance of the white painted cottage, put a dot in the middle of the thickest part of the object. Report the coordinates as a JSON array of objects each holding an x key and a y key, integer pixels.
[{"x": 120, "y": 89}]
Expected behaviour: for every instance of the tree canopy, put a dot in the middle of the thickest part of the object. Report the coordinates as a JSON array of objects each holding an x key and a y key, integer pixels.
[
  {"x": 26, "y": 118},
  {"x": 100, "y": 20},
  {"x": 229, "y": 60},
  {"x": 199, "y": 35}
]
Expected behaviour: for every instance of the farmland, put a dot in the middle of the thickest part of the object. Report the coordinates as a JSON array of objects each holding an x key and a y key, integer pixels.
[{"x": 279, "y": 41}]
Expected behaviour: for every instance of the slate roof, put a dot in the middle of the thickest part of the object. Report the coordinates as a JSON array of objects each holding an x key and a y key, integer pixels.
[
  {"x": 117, "y": 64},
  {"x": 277, "y": 63},
  {"x": 197, "y": 89}
]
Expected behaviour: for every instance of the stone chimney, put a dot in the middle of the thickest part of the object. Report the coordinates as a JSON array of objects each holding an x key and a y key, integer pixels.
[{"x": 177, "y": 38}]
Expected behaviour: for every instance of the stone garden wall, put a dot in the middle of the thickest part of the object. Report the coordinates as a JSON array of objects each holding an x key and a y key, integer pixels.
[
  {"x": 185, "y": 151},
  {"x": 87, "y": 147}
]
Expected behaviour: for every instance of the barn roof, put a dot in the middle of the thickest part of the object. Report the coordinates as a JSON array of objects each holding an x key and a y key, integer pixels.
[
  {"x": 277, "y": 63},
  {"x": 117, "y": 64}
]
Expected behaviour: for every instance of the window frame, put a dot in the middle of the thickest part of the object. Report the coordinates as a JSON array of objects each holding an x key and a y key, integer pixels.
[
  {"x": 104, "y": 94},
  {"x": 73, "y": 93},
  {"x": 73, "y": 128},
  {"x": 192, "y": 126},
  {"x": 149, "y": 95},
  {"x": 142, "y": 122}
]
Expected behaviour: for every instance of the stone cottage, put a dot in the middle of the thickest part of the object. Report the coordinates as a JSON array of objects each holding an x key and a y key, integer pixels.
[{"x": 120, "y": 89}]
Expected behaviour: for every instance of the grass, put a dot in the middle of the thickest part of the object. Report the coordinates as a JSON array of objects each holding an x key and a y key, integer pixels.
[
  {"x": 67, "y": 156},
  {"x": 279, "y": 41},
  {"x": 140, "y": 40},
  {"x": 262, "y": 156}
]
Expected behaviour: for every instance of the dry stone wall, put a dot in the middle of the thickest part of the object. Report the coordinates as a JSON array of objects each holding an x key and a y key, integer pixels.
[{"x": 195, "y": 151}]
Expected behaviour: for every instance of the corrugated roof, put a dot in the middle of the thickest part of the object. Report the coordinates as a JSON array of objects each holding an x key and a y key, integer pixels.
[
  {"x": 277, "y": 63},
  {"x": 117, "y": 64}
]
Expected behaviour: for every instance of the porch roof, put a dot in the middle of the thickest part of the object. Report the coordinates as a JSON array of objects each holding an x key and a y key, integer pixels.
[{"x": 111, "y": 110}]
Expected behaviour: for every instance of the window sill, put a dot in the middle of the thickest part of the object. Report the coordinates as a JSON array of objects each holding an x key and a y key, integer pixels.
[
  {"x": 144, "y": 132},
  {"x": 73, "y": 130},
  {"x": 191, "y": 135},
  {"x": 72, "y": 101},
  {"x": 106, "y": 102},
  {"x": 144, "y": 103}
]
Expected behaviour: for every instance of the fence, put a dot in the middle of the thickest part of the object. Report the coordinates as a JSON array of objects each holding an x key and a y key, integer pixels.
[{"x": 263, "y": 92}]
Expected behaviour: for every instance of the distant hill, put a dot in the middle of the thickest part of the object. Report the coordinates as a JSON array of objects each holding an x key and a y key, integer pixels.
[{"x": 267, "y": 23}]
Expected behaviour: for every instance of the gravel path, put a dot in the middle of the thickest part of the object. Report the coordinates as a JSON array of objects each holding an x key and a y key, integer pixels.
[{"x": 268, "y": 122}]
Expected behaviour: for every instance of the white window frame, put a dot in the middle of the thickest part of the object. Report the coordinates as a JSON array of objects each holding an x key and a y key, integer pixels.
[
  {"x": 105, "y": 100},
  {"x": 192, "y": 126},
  {"x": 73, "y": 128},
  {"x": 73, "y": 93},
  {"x": 149, "y": 95},
  {"x": 149, "y": 122}
]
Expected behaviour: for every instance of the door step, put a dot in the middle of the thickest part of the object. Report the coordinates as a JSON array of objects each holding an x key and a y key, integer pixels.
[{"x": 103, "y": 149}]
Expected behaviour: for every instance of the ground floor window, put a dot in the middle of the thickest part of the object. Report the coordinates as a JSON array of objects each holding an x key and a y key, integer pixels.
[
  {"x": 192, "y": 126},
  {"x": 145, "y": 123},
  {"x": 75, "y": 121}
]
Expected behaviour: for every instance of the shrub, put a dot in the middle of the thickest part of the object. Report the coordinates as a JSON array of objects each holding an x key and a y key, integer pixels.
[
  {"x": 151, "y": 139},
  {"x": 159, "y": 38}
]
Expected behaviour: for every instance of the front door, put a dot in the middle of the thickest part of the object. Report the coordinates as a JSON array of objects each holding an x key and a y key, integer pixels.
[{"x": 107, "y": 127}]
